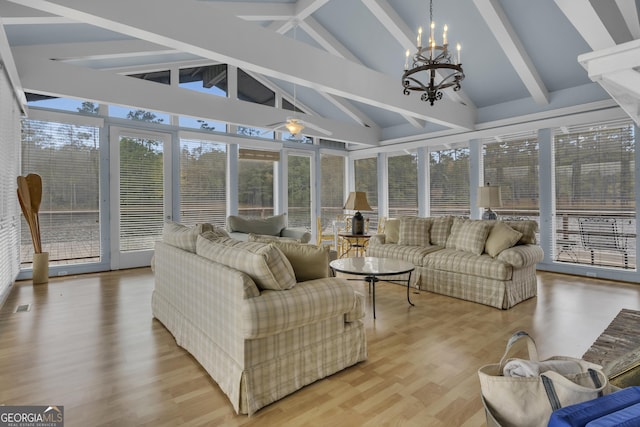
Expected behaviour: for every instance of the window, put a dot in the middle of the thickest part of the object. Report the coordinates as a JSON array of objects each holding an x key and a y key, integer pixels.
[
  {"x": 403, "y": 185},
  {"x": 255, "y": 182},
  {"x": 66, "y": 156},
  {"x": 209, "y": 79},
  {"x": 595, "y": 195},
  {"x": 366, "y": 178},
  {"x": 331, "y": 188},
  {"x": 512, "y": 164},
  {"x": 449, "y": 177},
  {"x": 299, "y": 191},
  {"x": 251, "y": 90},
  {"x": 203, "y": 168}
]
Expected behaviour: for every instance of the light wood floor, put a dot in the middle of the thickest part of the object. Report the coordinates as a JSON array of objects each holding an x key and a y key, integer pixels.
[{"x": 90, "y": 343}]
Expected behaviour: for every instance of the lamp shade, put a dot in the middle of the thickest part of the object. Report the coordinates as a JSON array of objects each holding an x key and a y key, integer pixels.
[
  {"x": 489, "y": 196},
  {"x": 357, "y": 201}
]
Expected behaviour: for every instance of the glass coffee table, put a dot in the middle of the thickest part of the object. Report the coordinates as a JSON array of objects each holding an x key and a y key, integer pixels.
[{"x": 372, "y": 268}]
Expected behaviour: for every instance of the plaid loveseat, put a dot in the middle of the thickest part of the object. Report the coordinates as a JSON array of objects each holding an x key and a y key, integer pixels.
[
  {"x": 238, "y": 309},
  {"x": 488, "y": 262}
]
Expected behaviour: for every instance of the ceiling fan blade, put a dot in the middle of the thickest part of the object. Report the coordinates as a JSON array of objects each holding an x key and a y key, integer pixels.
[{"x": 316, "y": 127}]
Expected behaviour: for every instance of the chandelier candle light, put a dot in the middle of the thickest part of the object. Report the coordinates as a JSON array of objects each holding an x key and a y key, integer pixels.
[{"x": 432, "y": 59}]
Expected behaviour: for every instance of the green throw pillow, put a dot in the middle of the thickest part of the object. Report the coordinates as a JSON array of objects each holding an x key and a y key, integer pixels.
[
  {"x": 392, "y": 230},
  {"x": 308, "y": 261},
  {"x": 501, "y": 237}
]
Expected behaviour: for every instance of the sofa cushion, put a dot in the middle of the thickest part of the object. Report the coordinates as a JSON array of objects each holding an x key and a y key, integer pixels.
[
  {"x": 182, "y": 236},
  {"x": 265, "y": 238},
  {"x": 414, "y": 231},
  {"x": 309, "y": 262},
  {"x": 440, "y": 228},
  {"x": 264, "y": 263},
  {"x": 528, "y": 229},
  {"x": 392, "y": 230},
  {"x": 453, "y": 260},
  {"x": 272, "y": 225},
  {"x": 501, "y": 237},
  {"x": 468, "y": 235},
  {"x": 413, "y": 254}
]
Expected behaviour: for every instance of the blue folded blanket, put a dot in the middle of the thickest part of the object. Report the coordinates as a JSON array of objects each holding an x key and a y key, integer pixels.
[{"x": 580, "y": 414}]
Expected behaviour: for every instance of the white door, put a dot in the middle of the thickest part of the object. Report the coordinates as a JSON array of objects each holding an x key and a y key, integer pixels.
[{"x": 140, "y": 194}]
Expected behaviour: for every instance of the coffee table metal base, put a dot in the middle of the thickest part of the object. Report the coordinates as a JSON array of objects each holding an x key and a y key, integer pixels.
[{"x": 372, "y": 269}]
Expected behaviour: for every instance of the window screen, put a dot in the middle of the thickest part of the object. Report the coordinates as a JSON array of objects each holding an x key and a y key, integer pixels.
[
  {"x": 449, "y": 178},
  {"x": 403, "y": 185},
  {"x": 595, "y": 195},
  {"x": 67, "y": 158},
  {"x": 203, "y": 170}
]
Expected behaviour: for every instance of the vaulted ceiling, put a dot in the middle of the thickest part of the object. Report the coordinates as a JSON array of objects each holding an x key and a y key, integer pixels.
[{"x": 345, "y": 58}]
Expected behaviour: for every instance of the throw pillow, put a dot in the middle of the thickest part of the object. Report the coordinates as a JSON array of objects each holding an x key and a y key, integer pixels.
[
  {"x": 414, "y": 231},
  {"x": 501, "y": 237},
  {"x": 392, "y": 230},
  {"x": 528, "y": 229},
  {"x": 264, "y": 263},
  {"x": 440, "y": 228},
  {"x": 308, "y": 261},
  {"x": 271, "y": 226},
  {"x": 468, "y": 235},
  {"x": 182, "y": 236}
]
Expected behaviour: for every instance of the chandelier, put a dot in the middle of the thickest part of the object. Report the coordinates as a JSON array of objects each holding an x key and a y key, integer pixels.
[{"x": 431, "y": 63}]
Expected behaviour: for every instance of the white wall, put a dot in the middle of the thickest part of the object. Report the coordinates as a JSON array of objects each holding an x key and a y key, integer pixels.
[{"x": 10, "y": 111}]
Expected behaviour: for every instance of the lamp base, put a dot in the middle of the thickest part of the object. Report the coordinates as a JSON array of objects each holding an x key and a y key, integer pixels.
[
  {"x": 357, "y": 224},
  {"x": 489, "y": 214}
]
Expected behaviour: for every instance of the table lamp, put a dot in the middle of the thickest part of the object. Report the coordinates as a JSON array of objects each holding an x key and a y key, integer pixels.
[
  {"x": 489, "y": 196},
  {"x": 357, "y": 201}
]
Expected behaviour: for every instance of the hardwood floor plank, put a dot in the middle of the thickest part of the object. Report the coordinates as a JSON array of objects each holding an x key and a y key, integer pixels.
[{"x": 90, "y": 343}]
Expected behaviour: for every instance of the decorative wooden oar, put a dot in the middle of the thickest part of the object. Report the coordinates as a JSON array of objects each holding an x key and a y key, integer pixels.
[
  {"x": 34, "y": 181},
  {"x": 25, "y": 203}
]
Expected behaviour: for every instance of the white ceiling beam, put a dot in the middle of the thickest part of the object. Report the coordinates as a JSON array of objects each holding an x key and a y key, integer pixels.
[
  {"x": 332, "y": 45},
  {"x": 159, "y": 21},
  {"x": 254, "y": 11},
  {"x": 615, "y": 69},
  {"x": 396, "y": 26},
  {"x": 9, "y": 65},
  {"x": 57, "y": 78},
  {"x": 629, "y": 12},
  {"x": 303, "y": 9},
  {"x": 617, "y": 58},
  {"x": 584, "y": 18},
  {"x": 507, "y": 38},
  {"x": 326, "y": 40}
]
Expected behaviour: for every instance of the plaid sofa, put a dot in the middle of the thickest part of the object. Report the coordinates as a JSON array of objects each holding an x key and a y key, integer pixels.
[
  {"x": 451, "y": 257},
  {"x": 258, "y": 344}
]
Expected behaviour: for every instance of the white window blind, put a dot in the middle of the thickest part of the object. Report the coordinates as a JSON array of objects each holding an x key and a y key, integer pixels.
[
  {"x": 255, "y": 185},
  {"x": 366, "y": 179},
  {"x": 67, "y": 157},
  {"x": 449, "y": 178},
  {"x": 203, "y": 170},
  {"x": 595, "y": 195},
  {"x": 9, "y": 170},
  {"x": 141, "y": 193},
  {"x": 299, "y": 191},
  {"x": 512, "y": 164},
  {"x": 331, "y": 188},
  {"x": 403, "y": 185}
]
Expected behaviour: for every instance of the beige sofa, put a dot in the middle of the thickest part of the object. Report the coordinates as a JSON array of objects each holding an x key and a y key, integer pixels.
[
  {"x": 262, "y": 326},
  {"x": 241, "y": 227},
  {"x": 488, "y": 262}
]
